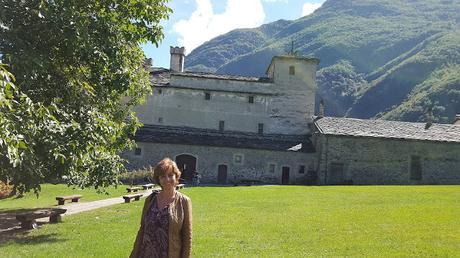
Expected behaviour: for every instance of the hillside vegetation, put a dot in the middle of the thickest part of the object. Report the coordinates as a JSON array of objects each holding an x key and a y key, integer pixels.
[{"x": 379, "y": 58}]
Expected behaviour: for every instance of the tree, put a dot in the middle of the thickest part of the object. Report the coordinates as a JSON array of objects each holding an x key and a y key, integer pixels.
[{"x": 79, "y": 66}]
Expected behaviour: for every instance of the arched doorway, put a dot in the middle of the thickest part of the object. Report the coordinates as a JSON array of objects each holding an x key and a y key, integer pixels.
[
  {"x": 187, "y": 165},
  {"x": 222, "y": 174}
]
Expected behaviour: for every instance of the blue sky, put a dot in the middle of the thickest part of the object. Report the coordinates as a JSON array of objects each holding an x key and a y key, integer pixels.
[{"x": 194, "y": 22}]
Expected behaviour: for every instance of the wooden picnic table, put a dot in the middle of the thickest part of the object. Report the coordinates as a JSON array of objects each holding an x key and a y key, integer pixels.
[
  {"x": 28, "y": 219},
  {"x": 128, "y": 197},
  {"x": 74, "y": 198}
]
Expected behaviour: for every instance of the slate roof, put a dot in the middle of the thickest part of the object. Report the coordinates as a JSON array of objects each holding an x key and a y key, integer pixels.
[
  {"x": 206, "y": 137},
  {"x": 223, "y": 77},
  {"x": 161, "y": 76},
  {"x": 388, "y": 129}
]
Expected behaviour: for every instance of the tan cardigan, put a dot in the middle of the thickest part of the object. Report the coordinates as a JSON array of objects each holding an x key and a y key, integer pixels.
[{"x": 180, "y": 227}]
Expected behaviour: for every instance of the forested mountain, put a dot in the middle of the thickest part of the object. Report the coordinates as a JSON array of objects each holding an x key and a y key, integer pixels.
[{"x": 393, "y": 59}]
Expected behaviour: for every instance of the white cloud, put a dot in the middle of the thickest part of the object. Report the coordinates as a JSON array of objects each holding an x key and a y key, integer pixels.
[
  {"x": 204, "y": 24},
  {"x": 309, "y": 8}
]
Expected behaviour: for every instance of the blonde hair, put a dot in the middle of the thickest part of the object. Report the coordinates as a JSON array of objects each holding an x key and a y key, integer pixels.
[{"x": 163, "y": 167}]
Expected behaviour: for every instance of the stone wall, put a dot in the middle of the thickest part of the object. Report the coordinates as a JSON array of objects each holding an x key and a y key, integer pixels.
[
  {"x": 254, "y": 166},
  {"x": 283, "y": 106},
  {"x": 386, "y": 161},
  {"x": 188, "y": 107}
]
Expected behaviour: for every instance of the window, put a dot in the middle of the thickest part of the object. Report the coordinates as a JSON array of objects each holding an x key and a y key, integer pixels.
[
  {"x": 271, "y": 168},
  {"x": 292, "y": 70},
  {"x": 221, "y": 126},
  {"x": 415, "y": 168},
  {"x": 301, "y": 169},
  {"x": 238, "y": 159},
  {"x": 251, "y": 99},
  {"x": 261, "y": 129},
  {"x": 137, "y": 152},
  {"x": 160, "y": 91},
  {"x": 160, "y": 120},
  {"x": 207, "y": 96}
]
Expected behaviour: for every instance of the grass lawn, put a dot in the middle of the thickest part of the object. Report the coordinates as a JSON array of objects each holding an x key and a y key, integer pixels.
[
  {"x": 47, "y": 197},
  {"x": 268, "y": 221}
]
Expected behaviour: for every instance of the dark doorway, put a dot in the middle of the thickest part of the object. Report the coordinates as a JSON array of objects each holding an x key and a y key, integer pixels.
[
  {"x": 222, "y": 174},
  {"x": 285, "y": 176},
  {"x": 187, "y": 165}
]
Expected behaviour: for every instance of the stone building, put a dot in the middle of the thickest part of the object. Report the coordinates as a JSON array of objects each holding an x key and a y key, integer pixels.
[
  {"x": 232, "y": 128},
  {"x": 357, "y": 151}
]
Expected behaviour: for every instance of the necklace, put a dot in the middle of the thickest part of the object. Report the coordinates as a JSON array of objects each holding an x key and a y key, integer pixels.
[{"x": 162, "y": 202}]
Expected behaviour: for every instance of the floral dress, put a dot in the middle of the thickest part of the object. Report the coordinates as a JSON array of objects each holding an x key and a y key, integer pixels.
[{"x": 156, "y": 231}]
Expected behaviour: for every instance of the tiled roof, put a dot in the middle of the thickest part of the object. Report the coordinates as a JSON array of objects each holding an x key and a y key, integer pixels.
[
  {"x": 206, "y": 137},
  {"x": 388, "y": 129},
  {"x": 161, "y": 76}
]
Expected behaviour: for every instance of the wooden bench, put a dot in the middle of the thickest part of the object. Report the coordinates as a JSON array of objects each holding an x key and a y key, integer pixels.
[
  {"x": 148, "y": 186},
  {"x": 128, "y": 197},
  {"x": 180, "y": 186},
  {"x": 74, "y": 198},
  {"x": 133, "y": 189},
  {"x": 28, "y": 219}
]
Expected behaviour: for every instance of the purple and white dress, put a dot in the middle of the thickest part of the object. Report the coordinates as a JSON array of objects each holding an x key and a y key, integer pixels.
[{"x": 156, "y": 231}]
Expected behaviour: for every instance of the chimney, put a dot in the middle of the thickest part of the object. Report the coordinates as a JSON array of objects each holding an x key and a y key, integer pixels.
[
  {"x": 429, "y": 118},
  {"x": 148, "y": 62},
  {"x": 321, "y": 108},
  {"x": 177, "y": 59},
  {"x": 457, "y": 119}
]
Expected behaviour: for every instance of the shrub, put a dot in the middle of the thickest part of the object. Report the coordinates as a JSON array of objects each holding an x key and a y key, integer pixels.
[{"x": 137, "y": 177}]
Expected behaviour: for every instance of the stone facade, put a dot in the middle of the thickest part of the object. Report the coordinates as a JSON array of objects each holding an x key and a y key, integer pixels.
[
  {"x": 283, "y": 103},
  {"x": 241, "y": 164},
  {"x": 356, "y": 160},
  {"x": 353, "y": 151}
]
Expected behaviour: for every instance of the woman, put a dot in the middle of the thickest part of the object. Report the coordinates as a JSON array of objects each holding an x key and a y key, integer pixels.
[{"x": 166, "y": 224}]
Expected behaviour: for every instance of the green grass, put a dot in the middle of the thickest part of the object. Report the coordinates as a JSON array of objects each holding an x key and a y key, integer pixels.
[
  {"x": 274, "y": 221},
  {"x": 47, "y": 197}
]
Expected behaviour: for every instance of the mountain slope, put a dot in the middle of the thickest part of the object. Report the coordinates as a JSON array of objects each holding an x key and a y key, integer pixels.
[{"x": 379, "y": 51}]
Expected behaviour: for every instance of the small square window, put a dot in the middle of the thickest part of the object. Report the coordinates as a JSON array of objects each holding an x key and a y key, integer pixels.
[
  {"x": 221, "y": 126},
  {"x": 238, "y": 159},
  {"x": 271, "y": 168},
  {"x": 160, "y": 91},
  {"x": 292, "y": 70},
  {"x": 137, "y": 151},
  {"x": 251, "y": 99},
  {"x": 301, "y": 169},
  {"x": 160, "y": 120},
  {"x": 207, "y": 96}
]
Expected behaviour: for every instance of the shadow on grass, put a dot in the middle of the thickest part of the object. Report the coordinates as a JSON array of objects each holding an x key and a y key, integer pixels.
[{"x": 10, "y": 229}]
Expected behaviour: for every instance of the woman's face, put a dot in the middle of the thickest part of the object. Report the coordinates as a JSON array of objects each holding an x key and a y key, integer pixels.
[{"x": 168, "y": 180}]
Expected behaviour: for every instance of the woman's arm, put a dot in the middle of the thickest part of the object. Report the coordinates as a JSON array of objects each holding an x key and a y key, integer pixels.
[{"x": 187, "y": 230}]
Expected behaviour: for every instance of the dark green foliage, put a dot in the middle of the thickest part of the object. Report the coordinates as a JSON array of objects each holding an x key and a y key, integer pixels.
[
  {"x": 339, "y": 85},
  {"x": 394, "y": 45},
  {"x": 78, "y": 65}
]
